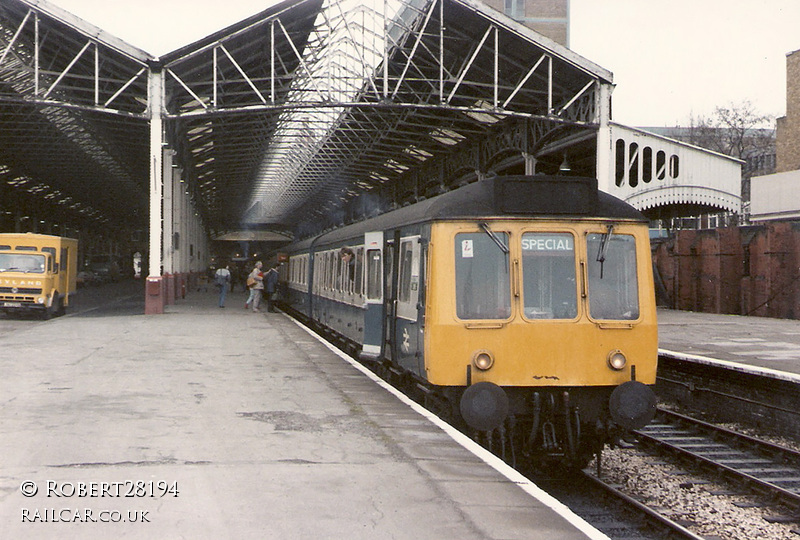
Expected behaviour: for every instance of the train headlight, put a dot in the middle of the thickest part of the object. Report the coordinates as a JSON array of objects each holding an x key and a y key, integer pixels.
[
  {"x": 483, "y": 360},
  {"x": 616, "y": 359}
]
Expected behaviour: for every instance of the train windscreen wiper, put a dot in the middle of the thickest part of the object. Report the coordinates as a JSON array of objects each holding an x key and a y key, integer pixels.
[
  {"x": 500, "y": 244},
  {"x": 604, "y": 243}
]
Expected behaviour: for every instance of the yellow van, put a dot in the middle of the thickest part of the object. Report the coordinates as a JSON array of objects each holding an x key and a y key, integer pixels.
[{"x": 38, "y": 272}]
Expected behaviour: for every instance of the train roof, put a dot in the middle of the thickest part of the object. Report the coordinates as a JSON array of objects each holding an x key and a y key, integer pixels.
[{"x": 537, "y": 196}]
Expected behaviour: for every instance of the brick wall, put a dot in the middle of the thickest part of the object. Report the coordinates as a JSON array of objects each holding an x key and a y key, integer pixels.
[
  {"x": 787, "y": 144},
  {"x": 742, "y": 271},
  {"x": 547, "y": 17}
]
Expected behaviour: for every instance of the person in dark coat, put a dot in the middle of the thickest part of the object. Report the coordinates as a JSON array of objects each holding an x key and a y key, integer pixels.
[{"x": 271, "y": 287}]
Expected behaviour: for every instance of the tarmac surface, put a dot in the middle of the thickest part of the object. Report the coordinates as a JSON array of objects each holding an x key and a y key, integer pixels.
[
  {"x": 772, "y": 344},
  {"x": 209, "y": 423}
]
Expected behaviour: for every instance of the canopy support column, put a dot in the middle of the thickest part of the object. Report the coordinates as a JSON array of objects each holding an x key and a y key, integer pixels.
[
  {"x": 603, "y": 112},
  {"x": 154, "y": 293}
]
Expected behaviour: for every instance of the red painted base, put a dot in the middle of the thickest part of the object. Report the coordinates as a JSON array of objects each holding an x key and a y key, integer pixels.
[{"x": 154, "y": 296}]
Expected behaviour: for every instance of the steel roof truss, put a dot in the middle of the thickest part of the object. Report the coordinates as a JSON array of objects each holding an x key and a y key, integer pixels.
[
  {"x": 11, "y": 43},
  {"x": 66, "y": 70},
  {"x": 241, "y": 71},
  {"x": 196, "y": 98},
  {"x": 527, "y": 76},
  {"x": 417, "y": 42},
  {"x": 469, "y": 63},
  {"x": 577, "y": 96},
  {"x": 124, "y": 87},
  {"x": 299, "y": 57}
]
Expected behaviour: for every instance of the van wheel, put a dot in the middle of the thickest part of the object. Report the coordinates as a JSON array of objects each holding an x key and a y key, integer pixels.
[
  {"x": 53, "y": 310},
  {"x": 61, "y": 308}
]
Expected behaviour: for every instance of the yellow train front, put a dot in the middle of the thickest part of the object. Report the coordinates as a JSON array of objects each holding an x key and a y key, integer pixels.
[{"x": 524, "y": 306}]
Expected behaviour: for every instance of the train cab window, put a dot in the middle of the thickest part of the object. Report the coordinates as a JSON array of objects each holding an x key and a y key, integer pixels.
[
  {"x": 549, "y": 286},
  {"x": 483, "y": 281},
  {"x": 374, "y": 274},
  {"x": 613, "y": 283}
]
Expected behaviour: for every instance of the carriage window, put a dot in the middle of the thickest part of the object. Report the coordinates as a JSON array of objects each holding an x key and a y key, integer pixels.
[
  {"x": 374, "y": 274},
  {"x": 613, "y": 285},
  {"x": 359, "y": 271},
  {"x": 389, "y": 271},
  {"x": 406, "y": 257},
  {"x": 329, "y": 271},
  {"x": 549, "y": 287},
  {"x": 319, "y": 272},
  {"x": 340, "y": 283},
  {"x": 483, "y": 288}
]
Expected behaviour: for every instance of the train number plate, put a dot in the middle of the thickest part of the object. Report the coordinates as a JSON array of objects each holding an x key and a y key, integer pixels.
[{"x": 12, "y": 304}]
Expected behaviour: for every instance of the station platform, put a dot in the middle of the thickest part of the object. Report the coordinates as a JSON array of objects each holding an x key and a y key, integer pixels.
[
  {"x": 209, "y": 423},
  {"x": 761, "y": 344}
]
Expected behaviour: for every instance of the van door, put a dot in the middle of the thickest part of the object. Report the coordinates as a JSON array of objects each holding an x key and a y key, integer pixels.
[{"x": 373, "y": 296}]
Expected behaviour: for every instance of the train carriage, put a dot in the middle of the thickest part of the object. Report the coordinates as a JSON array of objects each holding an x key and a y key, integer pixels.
[{"x": 523, "y": 304}]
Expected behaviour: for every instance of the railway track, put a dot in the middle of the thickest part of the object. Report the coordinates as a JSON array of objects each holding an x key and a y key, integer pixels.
[
  {"x": 769, "y": 471},
  {"x": 609, "y": 510}
]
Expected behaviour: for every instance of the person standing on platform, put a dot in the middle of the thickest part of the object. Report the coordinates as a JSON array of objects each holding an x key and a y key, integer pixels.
[
  {"x": 255, "y": 280},
  {"x": 271, "y": 287},
  {"x": 222, "y": 277},
  {"x": 234, "y": 276}
]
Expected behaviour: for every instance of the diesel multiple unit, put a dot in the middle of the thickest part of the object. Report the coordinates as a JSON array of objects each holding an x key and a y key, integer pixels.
[{"x": 522, "y": 305}]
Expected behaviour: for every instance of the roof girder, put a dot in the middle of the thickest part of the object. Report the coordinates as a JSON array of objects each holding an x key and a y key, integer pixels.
[{"x": 297, "y": 108}]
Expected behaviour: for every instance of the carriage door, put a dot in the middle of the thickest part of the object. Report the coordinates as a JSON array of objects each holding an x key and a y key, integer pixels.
[
  {"x": 373, "y": 295},
  {"x": 407, "y": 351}
]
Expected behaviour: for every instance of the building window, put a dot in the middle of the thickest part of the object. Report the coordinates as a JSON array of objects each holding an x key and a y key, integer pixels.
[
  {"x": 515, "y": 8},
  {"x": 674, "y": 166},
  {"x": 661, "y": 165},
  {"x": 619, "y": 167},
  {"x": 633, "y": 169},
  {"x": 647, "y": 164}
]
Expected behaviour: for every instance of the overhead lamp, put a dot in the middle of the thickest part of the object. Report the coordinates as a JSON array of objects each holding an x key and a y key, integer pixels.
[{"x": 564, "y": 167}]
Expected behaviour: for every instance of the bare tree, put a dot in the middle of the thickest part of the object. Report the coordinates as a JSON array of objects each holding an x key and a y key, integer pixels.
[
  {"x": 737, "y": 130},
  {"x": 740, "y": 131}
]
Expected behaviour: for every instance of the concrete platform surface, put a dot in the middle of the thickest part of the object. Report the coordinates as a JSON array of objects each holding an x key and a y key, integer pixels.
[
  {"x": 209, "y": 423},
  {"x": 773, "y": 344}
]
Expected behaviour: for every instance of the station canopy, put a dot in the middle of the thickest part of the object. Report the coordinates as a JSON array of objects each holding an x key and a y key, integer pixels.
[{"x": 296, "y": 118}]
